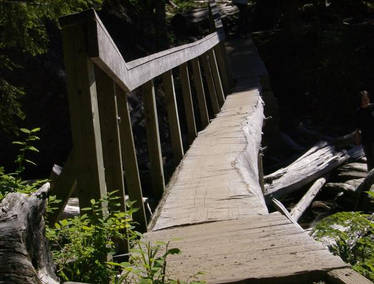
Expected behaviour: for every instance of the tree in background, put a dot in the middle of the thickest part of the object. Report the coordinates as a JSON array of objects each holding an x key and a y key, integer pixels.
[{"x": 23, "y": 31}]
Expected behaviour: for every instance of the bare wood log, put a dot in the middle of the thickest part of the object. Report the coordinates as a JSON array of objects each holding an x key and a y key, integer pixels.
[
  {"x": 307, "y": 199},
  {"x": 24, "y": 254},
  {"x": 316, "y": 162}
]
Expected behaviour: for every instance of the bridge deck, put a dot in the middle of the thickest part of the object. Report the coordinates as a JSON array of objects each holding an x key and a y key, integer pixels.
[{"x": 215, "y": 189}]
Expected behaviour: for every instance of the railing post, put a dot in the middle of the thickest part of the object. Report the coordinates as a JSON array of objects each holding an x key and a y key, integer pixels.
[
  {"x": 187, "y": 102},
  {"x": 223, "y": 66},
  {"x": 172, "y": 110},
  {"x": 84, "y": 116},
  {"x": 216, "y": 77},
  {"x": 212, "y": 90},
  {"x": 199, "y": 87},
  {"x": 153, "y": 138},
  {"x": 129, "y": 161},
  {"x": 110, "y": 136}
]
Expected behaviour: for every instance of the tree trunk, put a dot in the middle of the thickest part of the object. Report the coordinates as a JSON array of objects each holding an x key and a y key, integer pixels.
[
  {"x": 316, "y": 162},
  {"x": 24, "y": 253}
]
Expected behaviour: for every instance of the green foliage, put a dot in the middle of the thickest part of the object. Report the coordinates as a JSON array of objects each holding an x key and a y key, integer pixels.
[
  {"x": 23, "y": 30},
  {"x": 353, "y": 235},
  {"x": 25, "y": 147},
  {"x": 12, "y": 182},
  {"x": 80, "y": 245}
]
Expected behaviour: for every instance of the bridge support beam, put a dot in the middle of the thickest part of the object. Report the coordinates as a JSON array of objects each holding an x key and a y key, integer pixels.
[
  {"x": 153, "y": 139},
  {"x": 199, "y": 87},
  {"x": 84, "y": 116},
  {"x": 211, "y": 89},
  {"x": 187, "y": 102},
  {"x": 129, "y": 161},
  {"x": 173, "y": 117}
]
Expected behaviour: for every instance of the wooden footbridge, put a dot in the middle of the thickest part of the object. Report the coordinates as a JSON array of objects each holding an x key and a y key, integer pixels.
[{"x": 212, "y": 208}]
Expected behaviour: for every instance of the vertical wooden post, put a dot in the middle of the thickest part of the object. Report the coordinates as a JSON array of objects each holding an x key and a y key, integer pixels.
[
  {"x": 209, "y": 78},
  {"x": 63, "y": 184},
  {"x": 187, "y": 102},
  {"x": 129, "y": 161},
  {"x": 216, "y": 77},
  {"x": 153, "y": 138},
  {"x": 84, "y": 116},
  {"x": 172, "y": 110},
  {"x": 110, "y": 136},
  {"x": 198, "y": 83},
  {"x": 223, "y": 66}
]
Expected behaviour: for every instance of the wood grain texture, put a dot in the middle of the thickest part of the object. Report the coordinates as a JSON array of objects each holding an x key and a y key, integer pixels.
[
  {"x": 130, "y": 75},
  {"x": 84, "y": 117},
  {"x": 110, "y": 135},
  {"x": 250, "y": 249},
  {"x": 346, "y": 276},
  {"x": 208, "y": 184}
]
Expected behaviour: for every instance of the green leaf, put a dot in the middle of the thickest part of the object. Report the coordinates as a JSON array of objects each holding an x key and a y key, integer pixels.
[
  {"x": 32, "y": 148},
  {"x": 25, "y": 130},
  {"x": 35, "y": 130},
  {"x": 19, "y": 143},
  {"x": 30, "y": 162}
]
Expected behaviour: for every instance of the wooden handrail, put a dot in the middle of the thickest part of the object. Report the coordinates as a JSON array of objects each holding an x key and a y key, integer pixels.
[
  {"x": 130, "y": 75},
  {"x": 104, "y": 157}
]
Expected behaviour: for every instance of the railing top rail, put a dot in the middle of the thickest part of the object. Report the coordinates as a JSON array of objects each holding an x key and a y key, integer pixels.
[{"x": 130, "y": 75}]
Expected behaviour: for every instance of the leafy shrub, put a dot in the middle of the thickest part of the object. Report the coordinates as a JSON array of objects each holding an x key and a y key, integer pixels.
[{"x": 352, "y": 235}]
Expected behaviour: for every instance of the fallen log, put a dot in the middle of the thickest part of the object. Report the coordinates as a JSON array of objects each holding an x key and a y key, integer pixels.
[
  {"x": 307, "y": 199},
  {"x": 24, "y": 253},
  {"x": 283, "y": 210},
  {"x": 316, "y": 162}
]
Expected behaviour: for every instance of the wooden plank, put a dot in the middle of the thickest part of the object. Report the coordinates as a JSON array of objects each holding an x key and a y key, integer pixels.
[
  {"x": 307, "y": 199},
  {"x": 223, "y": 66},
  {"x": 216, "y": 77},
  {"x": 187, "y": 102},
  {"x": 63, "y": 184},
  {"x": 133, "y": 74},
  {"x": 129, "y": 160},
  {"x": 173, "y": 117},
  {"x": 346, "y": 276},
  {"x": 84, "y": 116},
  {"x": 153, "y": 138},
  {"x": 212, "y": 90},
  {"x": 110, "y": 135},
  {"x": 199, "y": 87},
  {"x": 256, "y": 248},
  {"x": 280, "y": 207}
]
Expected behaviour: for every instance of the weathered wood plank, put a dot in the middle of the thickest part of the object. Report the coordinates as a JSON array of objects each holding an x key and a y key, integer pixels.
[
  {"x": 243, "y": 249},
  {"x": 173, "y": 117},
  {"x": 187, "y": 102},
  {"x": 133, "y": 74},
  {"x": 153, "y": 139},
  {"x": 209, "y": 79},
  {"x": 110, "y": 135},
  {"x": 129, "y": 160},
  {"x": 346, "y": 276},
  {"x": 199, "y": 87},
  {"x": 84, "y": 116},
  {"x": 216, "y": 77}
]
